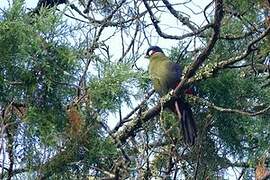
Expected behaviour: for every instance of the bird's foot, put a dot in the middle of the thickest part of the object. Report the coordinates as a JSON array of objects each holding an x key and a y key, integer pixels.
[
  {"x": 172, "y": 93},
  {"x": 163, "y": 100}
]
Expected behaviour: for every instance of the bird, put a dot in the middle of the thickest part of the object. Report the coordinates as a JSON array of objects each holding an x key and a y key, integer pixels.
[
  {"x": 165, "y": 76},
  {"x": 47, "y": 4}
]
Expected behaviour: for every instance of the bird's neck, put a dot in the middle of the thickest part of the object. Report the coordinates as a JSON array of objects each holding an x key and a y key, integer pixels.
[{"x": 158, "y": 56}]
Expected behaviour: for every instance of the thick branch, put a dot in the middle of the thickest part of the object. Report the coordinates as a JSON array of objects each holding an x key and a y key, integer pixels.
[
  {"x": 206, "y": 52},
  {"x": 126, "y": 119},
  {"x": 226, "y": 63},
  {"x": 130, "y": 129}
]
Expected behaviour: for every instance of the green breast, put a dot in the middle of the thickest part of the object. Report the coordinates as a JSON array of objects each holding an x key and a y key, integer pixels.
[{"x": 159, "y": 74}]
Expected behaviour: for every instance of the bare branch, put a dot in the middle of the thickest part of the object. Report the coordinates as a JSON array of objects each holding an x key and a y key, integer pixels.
[
  {"x": 107, "y": 20},
  {"x": 229, "y": 110},
  {"x": 167, "y": 36},
  {"x": 87, "y": 8},
  {"x": 179, "y": 16},
  {"x": 131, "y": 43}
]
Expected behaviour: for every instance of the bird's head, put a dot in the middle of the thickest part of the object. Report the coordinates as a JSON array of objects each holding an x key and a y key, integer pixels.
[{"x": 152, "y": 50}]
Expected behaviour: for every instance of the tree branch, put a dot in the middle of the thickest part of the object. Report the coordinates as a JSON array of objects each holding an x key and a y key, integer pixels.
[
  {"x": 206, "y": 52},
  {"x": 107, "y": 20},
  {"x": 229, "y": 110},
  {"x": 179, "y": 16},
  {"x": 167, "y": 36},
  {"x": 130, "y": 44},
  {"x": 227, "y": 63},
  {"x": 126, "y": 119}
]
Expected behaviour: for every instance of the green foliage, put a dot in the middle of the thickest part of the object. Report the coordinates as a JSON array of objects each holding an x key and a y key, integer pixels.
[
  {"x": 41, "y": 67},
  {"x": 159, "y": 162},
  {"x": 180, "y": 55},
  {"x": 45, "y": 124},
  {"x": 113, "y": 86},
  {"x": 247, "y": 7},
  {"x": 170, "y": 125},
  {"x": 35, "y": 72},
  {"x": 238, "y": 132}
]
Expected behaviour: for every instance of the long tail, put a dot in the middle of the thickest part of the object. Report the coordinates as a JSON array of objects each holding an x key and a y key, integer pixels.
[{"x": 184, "y": 113}]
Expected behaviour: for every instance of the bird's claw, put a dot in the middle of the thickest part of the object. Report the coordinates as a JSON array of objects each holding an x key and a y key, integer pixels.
[
  {"x": 162, "y": 100},
  {"x": 172, "y": 93}
]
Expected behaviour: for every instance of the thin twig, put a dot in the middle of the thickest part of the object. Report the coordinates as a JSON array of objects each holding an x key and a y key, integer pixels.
[
  {"x": 126, "y": 118},
  {"x": 229, "y": 110},
  {"x": 168, "y": 36}
]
